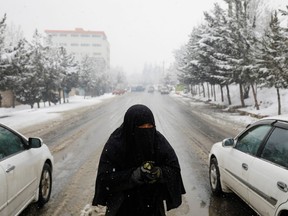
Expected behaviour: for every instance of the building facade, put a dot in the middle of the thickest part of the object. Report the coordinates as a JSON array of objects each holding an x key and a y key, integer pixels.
[{"x": 83, "y": 43}]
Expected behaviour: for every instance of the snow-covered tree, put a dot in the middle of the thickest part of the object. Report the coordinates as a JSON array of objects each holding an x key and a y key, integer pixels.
[
  {"x": 117, "y": 79},
  {"x": 2, "y": 33},
  {"x": 187, "y": 59},
  {"x": 28, "y": 87},
  {"x": 13, "y": 34},
  {"x": 9, "y": 72},
  {"x": 100, "y": 76},
  {"x": 43, "y": 64},
  {"x": 284, "y": 12},
  {"x": 67, "y": 72},
  {"x": 4, "y": 63},
  {"x": 215, "y": 46},
  {"x": 273, "y": 69},
  {"x": 87, "y": 79}
]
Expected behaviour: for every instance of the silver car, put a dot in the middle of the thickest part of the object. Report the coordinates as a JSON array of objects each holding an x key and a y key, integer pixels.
[
  {"x": 254, "y": 165},
  {"x": 25, "y": 171}
]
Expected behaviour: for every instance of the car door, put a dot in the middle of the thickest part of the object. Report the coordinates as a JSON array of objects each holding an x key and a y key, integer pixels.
[
  {"x": 19, "y": 170},
  {"x": 3, "y": 191},
  {"x": 235, "y": 172},
  {"x": 240, "y": 158},
  {"x": 269, "y": 174}
]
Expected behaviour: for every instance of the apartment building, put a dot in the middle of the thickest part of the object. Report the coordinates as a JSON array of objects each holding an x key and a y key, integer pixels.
[{"x": 83, "y": 43}]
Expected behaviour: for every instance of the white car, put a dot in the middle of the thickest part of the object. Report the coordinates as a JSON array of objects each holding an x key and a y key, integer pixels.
[
  {"x": 254, "y": 165},
  {"x": 25, "y": 171}
]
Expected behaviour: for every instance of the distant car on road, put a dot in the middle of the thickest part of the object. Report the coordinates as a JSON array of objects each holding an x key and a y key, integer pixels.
[
  {"x": 164, "y": 90},
  {"x": 118, "y": 91},
  {"x": 254, "y": 165},
  {"x": 25, "y": 171},
  {"x": 150, "y": 89},
  {"x": 138, "y": 88}
]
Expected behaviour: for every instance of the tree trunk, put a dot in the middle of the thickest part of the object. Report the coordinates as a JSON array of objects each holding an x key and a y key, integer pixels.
[
  {"x": 241, "y": 95},
  {"x": 49, "y": 99},
  {"x": 13, "y": 99},
  {"x": 59, "y": 94},
  {"x": 208, "y": 90},
  {"x": 228, "y": 95},
  {"x": 246, "y": 89},
  {"x": 203, "y": 89},
  {"x": 279, "y": 101},
  {"x": 255, "y": 97},
  {"x": 222, "y": 94},
  {"x": 64, "y": 96},
  {"x": 38, "y": 105},
  {"x": 214, "y": 93},
  {"x": 193, "y": 89}
]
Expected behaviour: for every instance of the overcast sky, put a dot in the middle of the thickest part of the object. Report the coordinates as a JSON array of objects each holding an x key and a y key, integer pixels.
[{"x": 139, "y": 31}]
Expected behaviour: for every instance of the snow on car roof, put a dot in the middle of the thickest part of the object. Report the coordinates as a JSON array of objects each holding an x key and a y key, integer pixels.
[{"x": 278, "y": 117}]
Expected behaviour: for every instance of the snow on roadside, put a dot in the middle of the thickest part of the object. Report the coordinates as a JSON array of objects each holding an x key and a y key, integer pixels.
[
  {"x": 267, "y": 100},
  {"x": 23, "y": 116}
]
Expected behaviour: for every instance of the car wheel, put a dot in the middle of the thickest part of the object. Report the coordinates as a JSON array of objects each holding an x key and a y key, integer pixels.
[
  {"x": 45, "y": 186},
  {"x": 214, "y": 176}
]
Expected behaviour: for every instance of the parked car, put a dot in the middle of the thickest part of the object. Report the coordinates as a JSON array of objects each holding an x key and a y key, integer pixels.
[
  {"x": 25, "y": 171},
  {"x": 165, "y": 90},
  {"x": 254, "y": 165}
]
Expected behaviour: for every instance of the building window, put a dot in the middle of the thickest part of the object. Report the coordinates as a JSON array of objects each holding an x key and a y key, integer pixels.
[
  {"x": 62, "y": 44},
  {"x": 96, "y": 54},
  {"x": 74, "y": 35},
  {"x": 96, "y": 45},
  {"x": 85, "y": 35},
  {"x": 85, "y": 45},
  {"x": 63, "y": 35},
  {"x": 96, "y": 35},
  {"x": 74, "y": 44}
]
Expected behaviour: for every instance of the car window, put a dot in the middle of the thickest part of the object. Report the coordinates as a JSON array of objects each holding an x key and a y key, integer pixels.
[
  {"x": 10, "y": 143},
  {"x": 276, "y": 148},
  {"x": 250, "y": 141}
]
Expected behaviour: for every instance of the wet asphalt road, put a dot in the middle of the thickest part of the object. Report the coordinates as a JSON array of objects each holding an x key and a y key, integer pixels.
[{"x": 188, "y": 127}]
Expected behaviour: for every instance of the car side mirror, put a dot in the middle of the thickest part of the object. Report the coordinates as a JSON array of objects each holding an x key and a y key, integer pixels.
[
  {"x": 35, "y": 142},
  {"x": 228, "y": 142}
]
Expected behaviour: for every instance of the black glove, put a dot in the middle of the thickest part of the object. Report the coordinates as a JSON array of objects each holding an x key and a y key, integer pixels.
[
  {"x": 150, "y": 173},
  {"x": 137, "y": 176}
]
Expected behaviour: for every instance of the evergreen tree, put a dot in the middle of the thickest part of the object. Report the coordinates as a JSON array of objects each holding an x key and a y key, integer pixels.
[
  {"x": 45, "y": 61},
  {"x": 2, "y": 33},
  {"x": 189, "y": 66},
  {"x": 217, "y": 48},
  {"x": 67, "y": 72},
  {"x": 87, "y": 79},
  {"x": 4, "y": 58},
  {"x": 27, "y": 86},
  {"x": 240, "y": 43},
  {"x": 273, "y": 71}
]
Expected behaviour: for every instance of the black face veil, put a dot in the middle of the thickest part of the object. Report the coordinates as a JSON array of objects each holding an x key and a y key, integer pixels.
[{"x": 140, "y": 142}]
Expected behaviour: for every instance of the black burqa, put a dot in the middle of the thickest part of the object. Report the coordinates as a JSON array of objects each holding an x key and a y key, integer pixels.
[{"x": 126, "y": 149}]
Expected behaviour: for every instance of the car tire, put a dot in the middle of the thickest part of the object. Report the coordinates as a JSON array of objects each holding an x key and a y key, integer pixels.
[
  {"x": 214, "y": 177},
  {"x": 45, "y": 185}
]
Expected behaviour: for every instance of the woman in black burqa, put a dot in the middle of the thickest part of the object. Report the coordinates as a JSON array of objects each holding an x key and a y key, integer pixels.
[{"x": 138, "y": 169}]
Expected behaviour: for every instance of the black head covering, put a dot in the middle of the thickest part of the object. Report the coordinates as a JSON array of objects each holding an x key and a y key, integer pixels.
[
  {"x": 139, "y": 142},
  {"x": 137, "y": 115}
]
